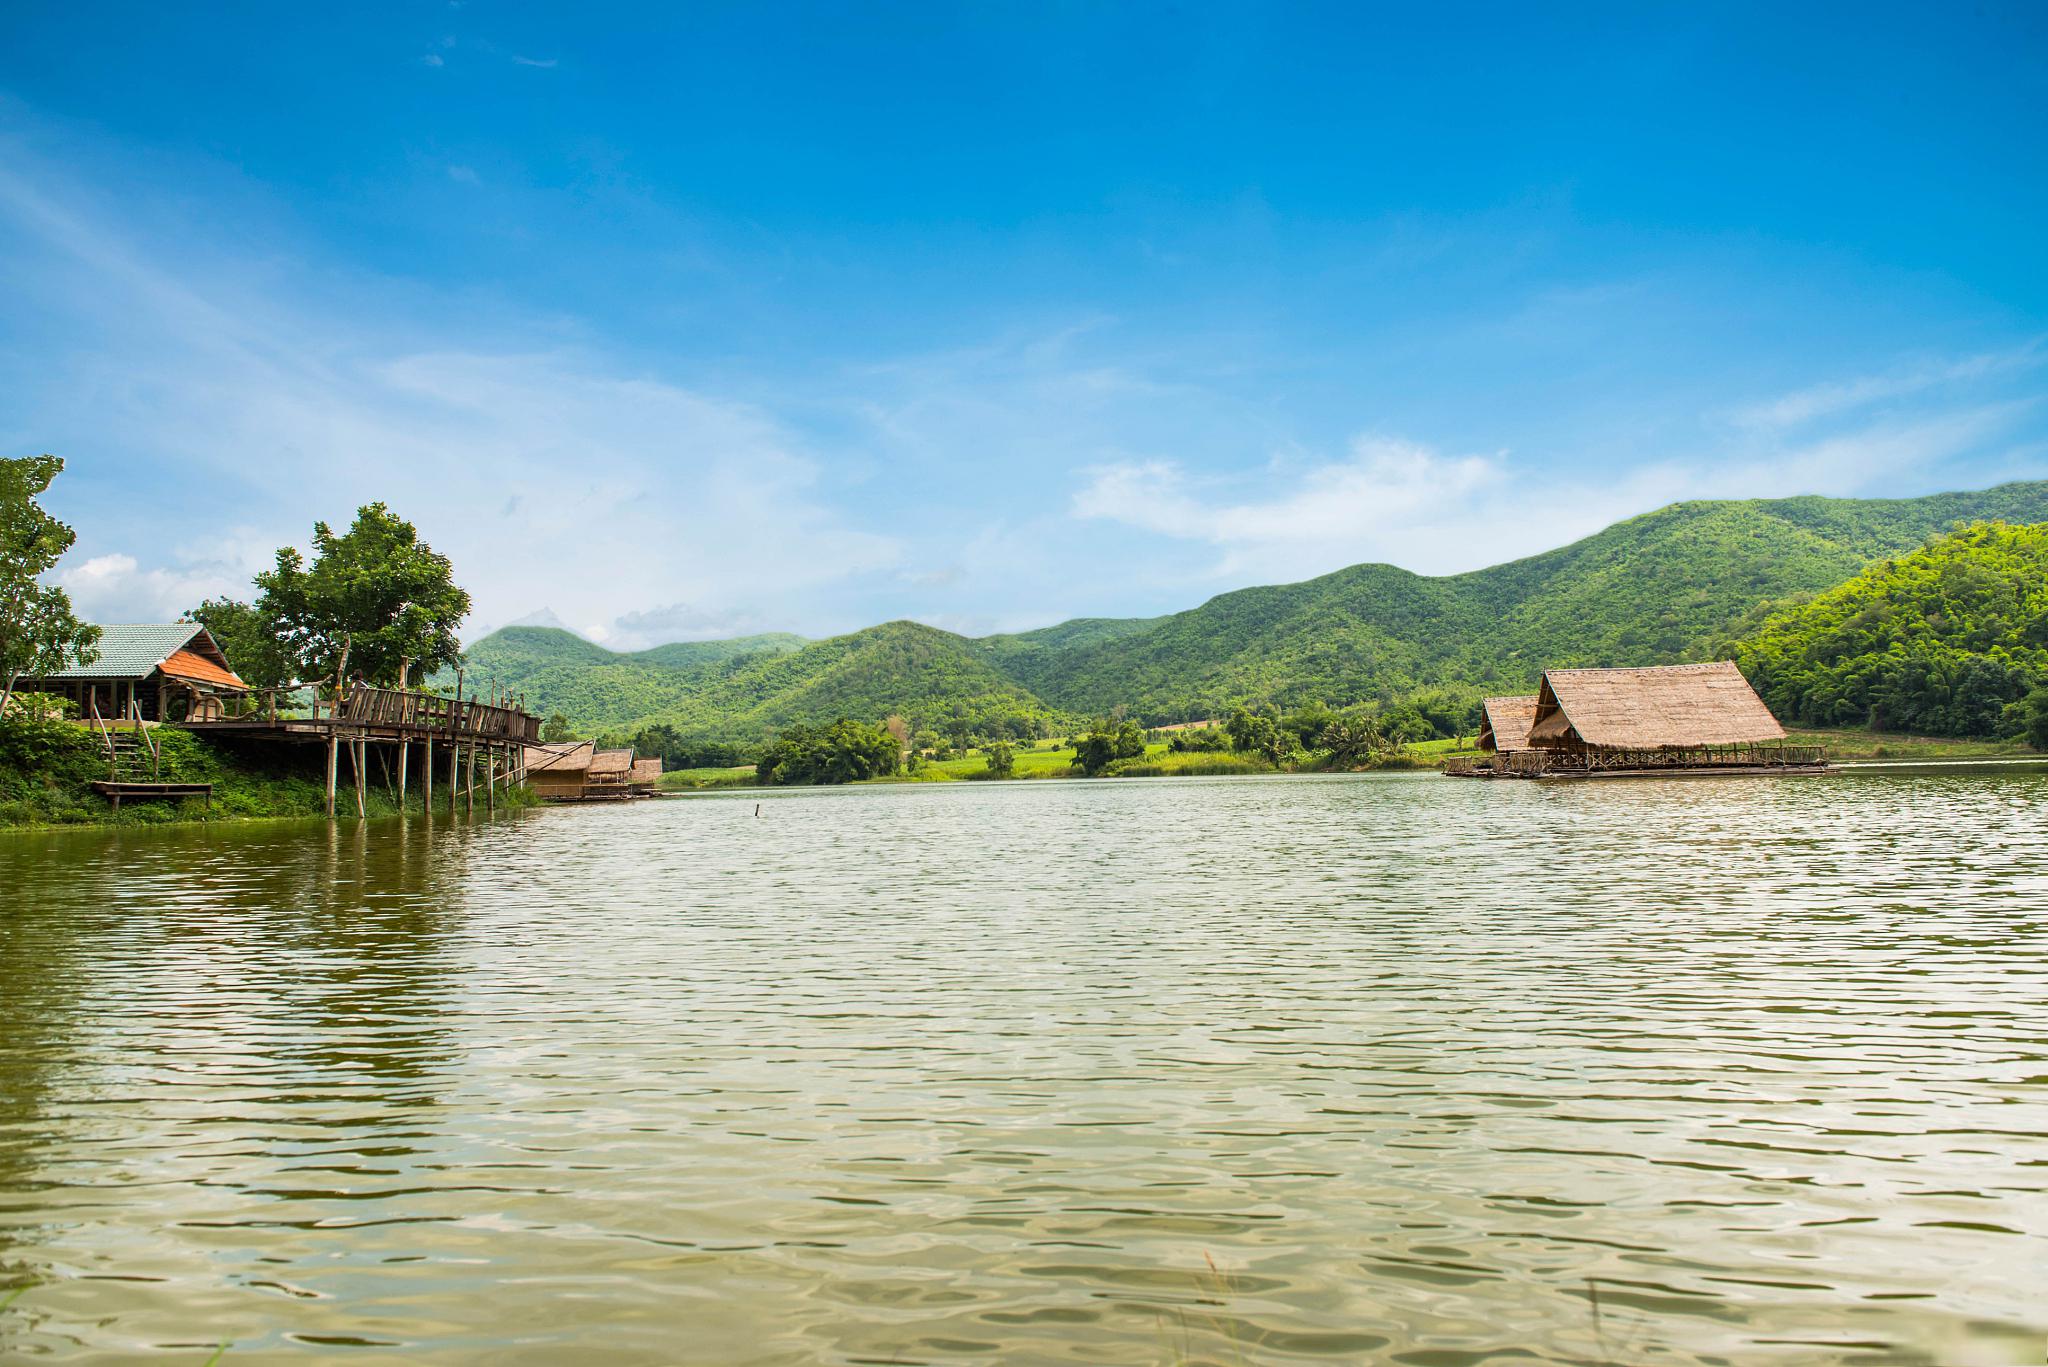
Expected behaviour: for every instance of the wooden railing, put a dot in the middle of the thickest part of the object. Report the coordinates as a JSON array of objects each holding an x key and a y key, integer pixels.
[
  {"x": 1535, "y": 763},
  {"x": 362, "y": 705}
]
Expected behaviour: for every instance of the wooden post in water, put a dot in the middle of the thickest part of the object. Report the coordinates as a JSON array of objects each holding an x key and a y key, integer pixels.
[
  {"x": 333, "y": 759},
  {"x": 491, "y": 780},
  {"x": 427, "y": 775},
  {"x": 362, "y": 779},
  {"x": 404, "y": 745},
  {"x": 469, "y": 784}
]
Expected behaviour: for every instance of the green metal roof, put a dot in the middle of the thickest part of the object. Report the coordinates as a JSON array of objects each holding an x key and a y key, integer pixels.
[{"x": 130, "y": 652}]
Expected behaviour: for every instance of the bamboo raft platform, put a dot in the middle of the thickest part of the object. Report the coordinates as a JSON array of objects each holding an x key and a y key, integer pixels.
[{"x": 399, "y": 722}]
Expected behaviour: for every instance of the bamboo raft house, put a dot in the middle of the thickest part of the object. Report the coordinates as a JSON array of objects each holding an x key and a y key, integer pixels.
[
  {"x": 1642, "y": 722},
  {"x": 556, "y": 771},
  {"x": 1504, "y": 724}
]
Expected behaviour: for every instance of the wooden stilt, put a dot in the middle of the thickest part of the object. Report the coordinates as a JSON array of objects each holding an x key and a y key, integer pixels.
[
  {"x": 362, "y": 779},
  {"x": 404, "y": 749},
  {"x": 469, "y": 784},
  {"x": 427, "y": 776},
  {"x": 491, "y": 780},
  {"x": 333, "y": 757}
]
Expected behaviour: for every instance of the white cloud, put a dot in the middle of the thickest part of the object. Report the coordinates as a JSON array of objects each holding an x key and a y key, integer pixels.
[
  {"x": 115, "y": 588},
  {"x": 432, "y": 59},
  {"x": 1835, "y": 397},
  {"x": 542, "y": 62},
  {"x": 1403, "y": 503},
  {"x": 549, "y": 476}
]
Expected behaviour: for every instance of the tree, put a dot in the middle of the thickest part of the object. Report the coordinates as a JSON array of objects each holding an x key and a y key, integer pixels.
[
  {"x": 1259, "y": 733},
  {"x": 249, "y": 640},
  {"x": 1107, "y": 741},
  {"x": 843, "y": 752},
  {"x": 556, "y": 730},
  {"x": 377, "y": 590},
  {"x": 1002, "y": 761},
  {"x": 39, "y": 634},
  {"x": 2037, "y": 718},
  {"x": 1351, "y": 740}
]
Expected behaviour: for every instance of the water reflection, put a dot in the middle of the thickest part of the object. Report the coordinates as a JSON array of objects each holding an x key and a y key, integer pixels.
[{"x": 1391, "y": 1068}]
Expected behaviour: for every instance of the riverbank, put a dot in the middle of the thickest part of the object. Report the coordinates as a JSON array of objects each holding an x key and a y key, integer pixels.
[
  {"x": 1049, "y": 760},
  {"x": 47, "y": 772}
]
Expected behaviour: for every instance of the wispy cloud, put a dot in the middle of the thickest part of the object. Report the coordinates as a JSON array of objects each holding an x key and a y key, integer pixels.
[
  {"x": 551, "y": 475},
  {"x": 1835, "y": 397},
  {"x": 542, "y": 62},
  {"x": 1404, "y": 503}
]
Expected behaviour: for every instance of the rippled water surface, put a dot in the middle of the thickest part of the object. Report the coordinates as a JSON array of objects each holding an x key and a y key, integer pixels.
[{"x": 1391, "y": 1068}]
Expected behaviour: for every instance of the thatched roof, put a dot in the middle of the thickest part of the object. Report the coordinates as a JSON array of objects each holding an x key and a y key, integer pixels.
[
  {"x": 611, "y": 764},
  {"x": 1505, "y": 723},
  {"x": 563, "y": 757},
  {"x": 646, "y": 770},
  {"x": 1670, "y": 707}
]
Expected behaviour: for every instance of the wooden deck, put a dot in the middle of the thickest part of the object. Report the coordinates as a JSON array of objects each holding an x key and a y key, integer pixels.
[
  {"x": 133, "y": 792},
  {"x": 380, "y": 713},
  {"x": 1705, "y": 762},
  {"x": 393, "y": 723}
]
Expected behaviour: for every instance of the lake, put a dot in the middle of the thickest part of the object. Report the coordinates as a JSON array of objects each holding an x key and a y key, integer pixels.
[{"x": 1385, "y": 1068}]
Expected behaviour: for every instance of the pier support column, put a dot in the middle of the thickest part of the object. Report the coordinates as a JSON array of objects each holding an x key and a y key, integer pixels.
[
  {"x": 333, "y": 760},
  {"x": 404, "y": 749},
  {"x": 427, "y": 776},
  {"x": 362, "y": 779}
]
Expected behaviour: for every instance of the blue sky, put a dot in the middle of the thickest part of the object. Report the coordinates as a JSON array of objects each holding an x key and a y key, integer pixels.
[{"x": 680, "y": 324}]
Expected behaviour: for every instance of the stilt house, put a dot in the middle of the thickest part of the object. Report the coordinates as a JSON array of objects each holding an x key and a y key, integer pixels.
[{"x": 161, "y": 671}]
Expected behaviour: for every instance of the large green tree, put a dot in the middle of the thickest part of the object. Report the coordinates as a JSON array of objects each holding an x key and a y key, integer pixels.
[
  {"x": 39, "y": 633},
  {"x": 376, "y": 591}
]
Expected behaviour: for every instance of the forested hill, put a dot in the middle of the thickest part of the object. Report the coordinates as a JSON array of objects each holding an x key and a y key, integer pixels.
[
  {"x": 1648, "y": 590},
  {"x": 1947, "y": 640}
]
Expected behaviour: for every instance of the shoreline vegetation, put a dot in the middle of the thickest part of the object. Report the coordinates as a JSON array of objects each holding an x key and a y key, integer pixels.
[{"x": 1946, "y": 639}]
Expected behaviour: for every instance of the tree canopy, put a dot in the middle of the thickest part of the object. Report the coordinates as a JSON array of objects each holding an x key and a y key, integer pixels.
[
  {"x": 376, "y": 591},
  {"x": 1946, "y": 640},
  {"x": 39, "y": 633},
  {"x": 839, "y": 753}
]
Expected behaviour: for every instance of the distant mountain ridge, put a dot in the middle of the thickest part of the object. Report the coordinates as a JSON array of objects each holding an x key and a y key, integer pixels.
[{"x": 1647, "y": 590}]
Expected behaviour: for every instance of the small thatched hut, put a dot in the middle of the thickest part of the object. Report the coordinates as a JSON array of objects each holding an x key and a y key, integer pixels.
[
  {"x": 1504, "y": 723},
  {"x": 1689, "y": 716},
  {"x": 610, "y": 773},
  {"x": 558, "y": 771},
  {"x": 645, "y": 774}
]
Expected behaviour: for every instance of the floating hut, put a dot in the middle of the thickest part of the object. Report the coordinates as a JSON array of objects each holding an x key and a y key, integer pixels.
[
  {"x": 147, "y": 671},
  {"x": 645, "y": 775},
  {"x": 558, "y": 771},
  {"x": 610, "y": 774},
  {"x": 1660, "y": 720},
  {"x": 1504, "y": 723}
]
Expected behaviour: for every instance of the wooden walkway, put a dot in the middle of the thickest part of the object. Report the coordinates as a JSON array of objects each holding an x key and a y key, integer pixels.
[{"x": 400, "y": 722}]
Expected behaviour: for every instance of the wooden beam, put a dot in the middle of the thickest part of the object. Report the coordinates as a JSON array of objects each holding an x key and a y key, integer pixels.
[{"x": 333, "y": 750}]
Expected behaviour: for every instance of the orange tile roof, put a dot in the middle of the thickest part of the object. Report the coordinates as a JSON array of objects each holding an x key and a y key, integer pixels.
[{"x": 184, "y": 664}]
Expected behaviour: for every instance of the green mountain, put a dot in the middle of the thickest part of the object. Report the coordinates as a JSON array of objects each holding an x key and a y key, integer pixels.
[
  {"x": 1945, "y": 640},
  {"x": 1649, "y": 590},
  {"x": 1655, "y": 588},
  {"x": 559, "y": 671}
]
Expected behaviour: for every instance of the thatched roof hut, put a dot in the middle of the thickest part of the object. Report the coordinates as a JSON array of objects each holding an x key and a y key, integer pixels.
[
  {"x": 611, "y": 766},
  {"x": 1669, "y": 707},
  {"x": 646, "y": 772},
  {"x": 561, "y": 757},
  {"x": 1504, "y": 722}
]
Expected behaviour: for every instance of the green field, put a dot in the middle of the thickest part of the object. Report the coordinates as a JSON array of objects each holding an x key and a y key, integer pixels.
[{"x": 1853, "y": 744}]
